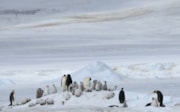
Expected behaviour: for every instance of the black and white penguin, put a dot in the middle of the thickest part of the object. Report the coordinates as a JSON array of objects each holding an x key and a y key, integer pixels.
[
  {"x": 12, "y": 98},
  {"x": 121, "y": 96},
  {"x": 159, "y": 98},
  {"x": 68, "y": 81},
  {"x": 63, "y": 83}
]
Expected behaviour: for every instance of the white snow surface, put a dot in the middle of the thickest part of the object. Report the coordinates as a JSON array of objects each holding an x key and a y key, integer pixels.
[{"x": 132, "y": 44}]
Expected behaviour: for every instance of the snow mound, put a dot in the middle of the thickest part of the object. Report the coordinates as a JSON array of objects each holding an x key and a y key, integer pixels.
[{"x": 98, "y": 71}]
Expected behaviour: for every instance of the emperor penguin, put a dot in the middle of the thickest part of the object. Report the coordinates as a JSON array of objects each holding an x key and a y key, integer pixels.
[
  {"x": 12, "y": 98},
  {"x": 54, "y": 89},
  {"x": 86, "y": 83},
  {"x": 94, "y": 84},
  {"x": 75, "y": 84},
  {"x": 46, "y": 91},
  {"x": 63, "y": 83},
  {"x": 98, "y": 86},
  {"x": 104, "y": 86},
  {"x": 121, "y": 96},
  {"x": 159, "y": 98},
  {"x": 23, "y": 101},
  {"x": 154, "y": 102},
  {"x": 49, "y": 101},
  {"x": 67, "y": 96},
  {"x": 78, "y": 93},
  {"x": 81, "y": 86},
  {"x": 68, "y": 81},
  {"x": 71, "y": 89},
  {"x": 109, "y": 95},
  {"x": 39, "y": 93}
]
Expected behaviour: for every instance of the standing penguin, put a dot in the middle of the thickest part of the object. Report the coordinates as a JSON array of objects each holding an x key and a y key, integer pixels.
[
  {"x": 63, "y": 83},
  {"x": 98, "y": 86},
  {"x": 94, "y": 84},
  {"x": 75, "y": 84},
  {"x": 12, "y": 97},
  {"x": 104, "y": 86},
  {"x": 39, "y": 93},
  {"x": 67, "y": 96},
  {"x": 68, "y": 81},
  {"x": 81, "y": 86},
  {"x": 54, "y": 89},
  {"x": 86, "y": 83},
  {"x": 46, "y": 91},
  {"x": 159, "y": 98},
  {"x": 121, "y": 96}
]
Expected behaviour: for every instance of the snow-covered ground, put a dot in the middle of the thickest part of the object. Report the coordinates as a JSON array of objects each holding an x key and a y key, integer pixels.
[{"x": 132, "y": 44}]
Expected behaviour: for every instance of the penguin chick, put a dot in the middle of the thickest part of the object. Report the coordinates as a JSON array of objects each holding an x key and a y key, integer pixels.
[
  {"x": 78, "y": 92},
  {"x": 109, "y": 95},
  {"x": 67, "y": 96},
  {"x": 104, "y": 86}
]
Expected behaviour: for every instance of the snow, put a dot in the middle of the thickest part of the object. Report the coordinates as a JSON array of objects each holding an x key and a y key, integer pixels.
[
  {"x": 129, "y": 44},
  {"x": 136, "y": 94},
  {"x": 98, "y": 71}
]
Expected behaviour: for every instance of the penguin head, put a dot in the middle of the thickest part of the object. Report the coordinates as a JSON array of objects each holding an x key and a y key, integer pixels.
[
  {"x": 13, "y": 91},
  {"x": 69, "y": 76},
  {"x": 155, "y": 91},
  {"x": 94, "y": 81}
]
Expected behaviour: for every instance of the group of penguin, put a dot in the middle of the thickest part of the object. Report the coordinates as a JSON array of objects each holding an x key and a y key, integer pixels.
[
  {"x": 76, "y": 89},
  {"x": 67, "y": 85},
  {"x": 46, "y": 91},
  {"x": 157, "y": 101}
]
